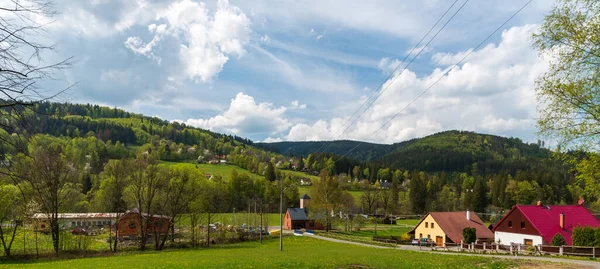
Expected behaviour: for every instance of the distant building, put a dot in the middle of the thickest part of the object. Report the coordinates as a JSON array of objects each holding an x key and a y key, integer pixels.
[
  {"x": 41, "y": 221},
  {"x": 538, "y": 224},
  {"x": 305, "y": 182},
  {"x": 129, "y": 224},
  {"x": 447, "y": 227},
  {"x": 297, "y": 218}
]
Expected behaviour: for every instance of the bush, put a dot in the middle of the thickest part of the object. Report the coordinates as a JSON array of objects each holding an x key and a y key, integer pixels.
[
  {"x": 558, "y": 240},
  {"x": 584, "y": 236},
  {"x": 469, "y": 235}
]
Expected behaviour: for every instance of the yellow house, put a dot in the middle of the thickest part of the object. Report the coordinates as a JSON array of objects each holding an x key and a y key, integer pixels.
[{"x": 447, "y": 227}]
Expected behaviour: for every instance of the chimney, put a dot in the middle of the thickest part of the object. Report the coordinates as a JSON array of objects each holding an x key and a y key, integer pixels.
[
  {"x": 468, "y": 215},
  {"x": 304, "y": 201},
  {"x": 561, "y": 220},
  {"x": 580, "y": 202}
]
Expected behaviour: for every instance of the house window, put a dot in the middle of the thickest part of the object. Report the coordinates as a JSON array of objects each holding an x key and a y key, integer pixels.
[
  {"x": 426, "y": 224},
  {"x": 131, "y": 225},
  {"x": 432, "y": 225},
  {"x": 528, "y": 242},
  {"x": 428, "y": 236},
  {"x": 510, "y": 224},
  {"x": 420, "y": 236},
  {"x": 522, "y": 225}
]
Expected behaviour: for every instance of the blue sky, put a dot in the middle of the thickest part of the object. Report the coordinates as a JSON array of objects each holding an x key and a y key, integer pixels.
[{"x": 297, "y": 70}]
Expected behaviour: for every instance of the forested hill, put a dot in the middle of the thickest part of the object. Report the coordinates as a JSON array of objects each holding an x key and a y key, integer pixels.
[
  {"x": 362, "y": 151},
  {"x": 458, "y": 150},
  {"x": 449, "y": 151}
]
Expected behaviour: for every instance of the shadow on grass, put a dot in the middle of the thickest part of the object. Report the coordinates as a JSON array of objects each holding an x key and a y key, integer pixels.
[{"x": 70, "y": 255}]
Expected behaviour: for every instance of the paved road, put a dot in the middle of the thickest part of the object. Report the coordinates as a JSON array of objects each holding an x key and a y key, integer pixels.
[{"x": 578, "y": 263}]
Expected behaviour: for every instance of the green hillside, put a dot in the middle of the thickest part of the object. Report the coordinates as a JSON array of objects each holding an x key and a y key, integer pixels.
[{"x": 360, "y": 150}]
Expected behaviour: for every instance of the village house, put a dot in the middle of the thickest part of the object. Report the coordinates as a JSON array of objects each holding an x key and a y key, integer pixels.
[
  {"x": 447, "y": 227},
  {"x": 538, "y": 224},
  {"x": 41, "y": 221},
  {"x": 129, "y": 224},
  {"x": 305, "y": 182},
  {"x": 297, "y": 218}
]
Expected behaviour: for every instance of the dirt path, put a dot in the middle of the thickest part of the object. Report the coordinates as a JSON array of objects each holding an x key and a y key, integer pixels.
[{"x": 578, "y": 263}]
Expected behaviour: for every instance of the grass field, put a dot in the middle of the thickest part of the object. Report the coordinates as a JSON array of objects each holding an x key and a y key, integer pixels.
[
  {"x": 299, "y": 252},
  {"x": 271, "y": 219},
  {"x": 215, "y": 169},
  {"x": 298, "y": 174}
]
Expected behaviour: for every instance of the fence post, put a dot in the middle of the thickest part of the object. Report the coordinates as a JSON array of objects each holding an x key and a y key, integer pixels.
[
  {"x": 560, "y": 250},
  {"x": 484, "y": 246},
  {"x": 473, "y": 247},
  {"x": 461, "y": 246},
  {"x": 594, "y": 252}
]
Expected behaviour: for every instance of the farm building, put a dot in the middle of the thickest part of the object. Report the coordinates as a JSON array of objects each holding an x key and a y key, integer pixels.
[
  {"x": 447, "y": 227},
  {"x": 41, "y": 221},
  {"x": 538, "y": 224},
  {"x": 297, "y": 218},
  {"x": 129, "y": 224}
]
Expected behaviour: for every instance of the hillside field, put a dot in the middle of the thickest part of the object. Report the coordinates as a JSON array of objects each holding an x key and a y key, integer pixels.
[
  {"x": 215, "y": 169},
  {"x": 299, "y": 252}
]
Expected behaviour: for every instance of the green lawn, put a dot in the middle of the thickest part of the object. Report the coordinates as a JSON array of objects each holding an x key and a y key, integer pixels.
[
  {"x": 215, "y": 169},
  {"x": 299, "y": 252},
  {"x": 307, "y": 189},
  {"x": 271, "y": 219},
  {"x": 298, "y": 174},
  {"x": 382, "y": 231}
]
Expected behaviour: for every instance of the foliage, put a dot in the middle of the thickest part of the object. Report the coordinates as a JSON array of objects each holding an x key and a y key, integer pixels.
[
  {"x": 558, "y": 240},
  {"x": 569, "y": 89},
  {"x": 469, "y": 235},
  {"x": 585, "y": 236}
]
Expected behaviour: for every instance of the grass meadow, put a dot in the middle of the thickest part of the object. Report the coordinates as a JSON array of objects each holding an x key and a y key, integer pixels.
[{"x": 299, "y": 252}]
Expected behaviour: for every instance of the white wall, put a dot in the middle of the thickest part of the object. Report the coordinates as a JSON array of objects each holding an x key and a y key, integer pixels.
[{"x": 507, "y": 238}]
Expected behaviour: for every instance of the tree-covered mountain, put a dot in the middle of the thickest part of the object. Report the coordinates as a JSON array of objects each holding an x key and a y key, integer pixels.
[
  {"x": 362, "y": 151},
  {"x": 457, "y": 151}
]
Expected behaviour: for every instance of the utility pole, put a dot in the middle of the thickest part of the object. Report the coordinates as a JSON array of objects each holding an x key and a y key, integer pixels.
[
  {"x": 280, "y": 213},
  {"x": 261, "y": 219}
]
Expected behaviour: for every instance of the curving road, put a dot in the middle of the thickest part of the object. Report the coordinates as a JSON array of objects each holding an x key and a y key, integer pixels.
[{"x": 579, "y": 263}]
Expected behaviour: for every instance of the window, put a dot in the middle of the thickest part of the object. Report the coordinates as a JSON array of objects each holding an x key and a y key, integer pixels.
[
  {"x": 73, "y": 224},
  {"x": 420, "y": 236},
  {"x": 426, "y": 224},
  {"x": 432, "y": 225},
  {"x": 131, "y": 225},
  {"x": 510, "y": 224},
  {"x": 428, "y": 236},
  {"x": 528, "y": 242},
  {"x": 522, "y": 225}
]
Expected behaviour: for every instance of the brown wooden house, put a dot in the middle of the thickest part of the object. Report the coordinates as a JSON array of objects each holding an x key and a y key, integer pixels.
[
  {"x": 129, "y": 224},
  {"x": 297, "y": 218}
]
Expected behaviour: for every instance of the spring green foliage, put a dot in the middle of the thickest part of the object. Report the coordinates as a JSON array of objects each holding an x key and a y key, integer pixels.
[
  {"x": 558, "y": 240},
  {"x": 469, "y": 235},
  {"x": 569, "y": 89},
  {"x": 296, "y": 254},
  {"x": 586, "y": 236}
]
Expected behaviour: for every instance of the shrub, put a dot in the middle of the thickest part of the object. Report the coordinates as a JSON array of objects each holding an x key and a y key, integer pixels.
[
  {"x": 469, "y": 235},
  {"x": 584, "y": 236},
  {"x": 558, "y": 240}
]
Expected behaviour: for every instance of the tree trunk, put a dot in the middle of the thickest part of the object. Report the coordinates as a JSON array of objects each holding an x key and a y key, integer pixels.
[
  {"x": 208, "y": 231},
  {"x": 55, "y": 235},
  {"x": 116, "y": 240}
]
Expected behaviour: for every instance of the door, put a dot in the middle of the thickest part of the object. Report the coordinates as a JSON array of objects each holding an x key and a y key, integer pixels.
[{"x": 439, "y": 241}]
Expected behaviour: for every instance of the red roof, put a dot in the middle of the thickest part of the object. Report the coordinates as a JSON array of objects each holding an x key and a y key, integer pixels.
[{"x": 546, "y": 219}]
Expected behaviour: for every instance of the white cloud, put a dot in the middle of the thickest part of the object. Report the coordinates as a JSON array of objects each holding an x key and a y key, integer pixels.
[
  {"x": 388, "y": 65},
  {"x": 206, "y": 40},
  {"x": 265, "y": 39},
  {"x": 245, "y": 116},
  {"x": 296, "y": 105},
  {"x": 493, "y": 91},
  {"x": 272, "y": 140}
]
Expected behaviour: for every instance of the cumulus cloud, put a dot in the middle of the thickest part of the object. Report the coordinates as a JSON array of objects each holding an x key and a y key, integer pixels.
[
  {"x": 265, "y": 39},
  {"x": 388, "y": 65},
  {"x": 272, "y": 140},
  {"x": 296, "y": 105},
  {"x": 493, "y": 91},
  {"x": 245, "y": 116},
  {"x": 207, "y": 41}
]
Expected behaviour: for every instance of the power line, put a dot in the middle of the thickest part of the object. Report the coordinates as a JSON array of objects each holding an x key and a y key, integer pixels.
[
  {"x": 392, "y": 74},
  {"x": 440, "y": 78}
]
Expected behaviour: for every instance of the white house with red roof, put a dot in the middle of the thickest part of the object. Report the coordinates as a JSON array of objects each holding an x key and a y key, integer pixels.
[{"x": 538, "y": 224}]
